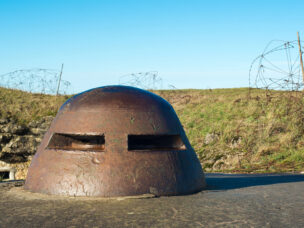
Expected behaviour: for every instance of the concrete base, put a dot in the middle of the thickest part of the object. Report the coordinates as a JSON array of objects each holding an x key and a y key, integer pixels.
[{"x": 230, "y": 201}]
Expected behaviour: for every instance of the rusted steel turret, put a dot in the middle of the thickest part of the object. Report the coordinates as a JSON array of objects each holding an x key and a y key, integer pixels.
[{"x": 115, "y": 141}]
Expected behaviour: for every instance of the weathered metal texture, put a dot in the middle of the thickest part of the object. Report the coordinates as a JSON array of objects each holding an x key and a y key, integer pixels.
[{"x": 86, "y": 151}]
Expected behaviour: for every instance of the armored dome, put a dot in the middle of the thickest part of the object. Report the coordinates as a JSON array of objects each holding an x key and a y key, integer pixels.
[{"x": 115, "y": 141}]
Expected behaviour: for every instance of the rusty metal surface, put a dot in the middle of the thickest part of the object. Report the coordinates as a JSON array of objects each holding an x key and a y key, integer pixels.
[{"x": 86, "y": 165}]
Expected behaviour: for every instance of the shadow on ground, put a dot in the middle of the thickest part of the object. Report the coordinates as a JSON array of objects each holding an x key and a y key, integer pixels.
[{"x": 217, "y": 181}]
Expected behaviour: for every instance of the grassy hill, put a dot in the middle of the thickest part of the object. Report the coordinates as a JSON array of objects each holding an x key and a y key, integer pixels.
[{"x": 229, "y": 129}]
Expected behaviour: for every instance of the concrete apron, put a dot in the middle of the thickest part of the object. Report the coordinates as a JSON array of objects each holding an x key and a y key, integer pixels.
[{"x": 230, "y": 200}]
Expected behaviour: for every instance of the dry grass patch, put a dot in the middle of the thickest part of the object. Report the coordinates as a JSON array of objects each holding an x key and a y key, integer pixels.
[{"x": 256, "y": 133}]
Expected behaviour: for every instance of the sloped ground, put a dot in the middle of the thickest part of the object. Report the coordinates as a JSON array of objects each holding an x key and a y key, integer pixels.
[
  {"x": 237, "y": 131},
  {"x": 230, "y": 130}
]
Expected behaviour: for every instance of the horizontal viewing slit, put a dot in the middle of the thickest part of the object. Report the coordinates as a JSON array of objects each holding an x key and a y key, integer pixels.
[
  {"x": 77, "y": 142},
  {"x": 155, "y": 142}
]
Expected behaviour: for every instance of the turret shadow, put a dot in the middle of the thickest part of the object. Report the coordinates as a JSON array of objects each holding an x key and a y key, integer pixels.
[{"x": 219, "y": 181}]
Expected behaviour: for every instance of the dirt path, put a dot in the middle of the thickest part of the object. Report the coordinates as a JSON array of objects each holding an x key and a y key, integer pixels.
[{"x": 231, "y": 201}]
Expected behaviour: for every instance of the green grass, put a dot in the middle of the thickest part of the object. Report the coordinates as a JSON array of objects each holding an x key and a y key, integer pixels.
[
  {"x": 255, "y": 134},
  {"x": 25, "y": 107},
  {"x": 262, "y": 132}
]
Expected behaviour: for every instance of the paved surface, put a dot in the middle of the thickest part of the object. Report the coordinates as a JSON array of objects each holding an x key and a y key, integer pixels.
[{"x": 230, "y": 201}]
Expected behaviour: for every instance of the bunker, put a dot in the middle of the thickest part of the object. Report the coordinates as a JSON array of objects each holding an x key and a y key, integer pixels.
[{"x": 115, "y": 141}]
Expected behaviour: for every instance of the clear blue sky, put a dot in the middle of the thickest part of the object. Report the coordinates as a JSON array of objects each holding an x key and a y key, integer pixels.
[{"x": 192, "y": 44}]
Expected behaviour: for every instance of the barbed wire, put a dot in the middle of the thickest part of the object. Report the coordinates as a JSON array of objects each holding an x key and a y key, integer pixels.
[
  {"x": 144, "y": 80},
  {"x": 277, "y": 68},
  {"x": 36, "y": 80}
]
